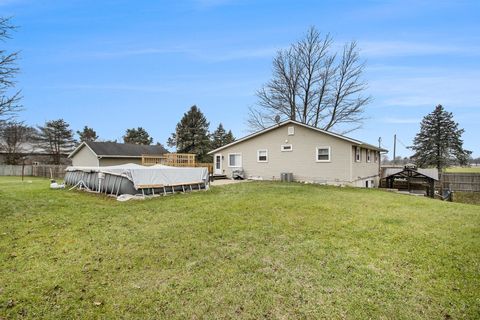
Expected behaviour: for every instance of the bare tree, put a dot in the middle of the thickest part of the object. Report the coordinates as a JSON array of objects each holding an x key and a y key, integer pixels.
[
  {"x": 312, "y": 85},
  {"x": 9, "y": 102},
  {"x": 13, "y": 136}
]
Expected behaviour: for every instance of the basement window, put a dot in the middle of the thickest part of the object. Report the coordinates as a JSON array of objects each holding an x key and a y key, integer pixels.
[
  {"x": 286, "y": 147},
  {"x": 262, "y": 155},
  {"x": 323, "y": 154}
]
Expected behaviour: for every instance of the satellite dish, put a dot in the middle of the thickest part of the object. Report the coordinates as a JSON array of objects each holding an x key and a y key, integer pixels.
[{"x": 277, "y": 119}]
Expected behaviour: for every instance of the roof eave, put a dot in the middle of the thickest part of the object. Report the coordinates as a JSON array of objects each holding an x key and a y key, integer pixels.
[
  {"x": 78, "y": 149},
  {"x": 354, "y": 141},
  {"x": 116, "y": 156}
]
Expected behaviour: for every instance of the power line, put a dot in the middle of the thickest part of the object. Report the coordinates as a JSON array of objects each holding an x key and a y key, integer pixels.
[{"x": 403, "y": 144}]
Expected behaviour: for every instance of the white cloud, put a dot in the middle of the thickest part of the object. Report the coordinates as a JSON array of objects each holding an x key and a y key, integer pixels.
[
  {"x": 9, "y": 2},
  {"x": 401, "y": 120},
  {"x": 132, "y": 52},
  {"x": 453, "y": 90},
  {"x": 121, "y": 87},
  {"x": 207, "y": 55},
  {"x": 406, "y": 48}
]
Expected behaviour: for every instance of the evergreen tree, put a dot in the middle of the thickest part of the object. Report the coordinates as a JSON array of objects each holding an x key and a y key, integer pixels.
[
  {"x": 57, "y": 138},
  {"x": 220, "y": 137},
  {"x": 137, "y": 136},
  {"x": 87, "y": 134},
  {"x": 439, "y": 141},
  {"x": 191, "y": 135}
]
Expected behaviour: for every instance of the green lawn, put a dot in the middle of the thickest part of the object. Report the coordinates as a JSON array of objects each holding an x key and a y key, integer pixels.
[
  {"x": 251, "y": 250},
  {"x": 467, "y": 197},
  {"x": 463, "y": 170}
]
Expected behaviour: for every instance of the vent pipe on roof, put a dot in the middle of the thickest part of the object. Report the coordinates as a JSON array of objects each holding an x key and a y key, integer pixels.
[{"x": 277, "y": 118}]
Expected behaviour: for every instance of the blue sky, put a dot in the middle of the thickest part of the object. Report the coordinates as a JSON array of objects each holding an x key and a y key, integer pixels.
[{"x": 114, "y": 65}]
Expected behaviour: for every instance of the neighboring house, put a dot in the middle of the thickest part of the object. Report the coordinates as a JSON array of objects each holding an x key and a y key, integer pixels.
[
  {"x": 311, "y": 154},
  {"x": 33, "y": 154},
  {"x": 100, "y": 154}
]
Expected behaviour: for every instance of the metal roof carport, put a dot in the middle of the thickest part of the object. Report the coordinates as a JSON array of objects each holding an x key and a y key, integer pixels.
[{"x": 409, "y": 173}]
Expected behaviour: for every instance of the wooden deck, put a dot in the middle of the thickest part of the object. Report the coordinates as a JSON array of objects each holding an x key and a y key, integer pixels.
[{"x": 175, "y": 160}]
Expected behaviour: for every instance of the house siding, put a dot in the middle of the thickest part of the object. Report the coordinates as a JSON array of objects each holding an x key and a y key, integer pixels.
[
  {"x": 104, "y": 162},
  {"x": 301, "y": 161},
  {"x": 85, "y": 158},
  {"x": 363, "y": 170}
]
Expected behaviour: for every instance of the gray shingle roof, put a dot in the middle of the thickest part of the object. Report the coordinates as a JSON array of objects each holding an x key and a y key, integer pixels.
[
  {"x": 354, "y": 141},
  {"x": 106, "y": 149}
]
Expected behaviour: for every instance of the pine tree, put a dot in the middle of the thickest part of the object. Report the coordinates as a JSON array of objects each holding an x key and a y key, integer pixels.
[
  {"x": 229, "y": 138},
  {"x": 87, "y": 134},
  {"x": 439, "y": 141},
  {"x": 57, "y": 138},
  {"x": 220, "y": 137},
  {"x": 191, "y": 135},
  {"x": 137, "y": 136}
]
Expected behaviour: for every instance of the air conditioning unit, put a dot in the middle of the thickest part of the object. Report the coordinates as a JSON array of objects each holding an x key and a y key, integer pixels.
[
  {"x": 286, "y": 177},
  {"x": 238, "y": 174}
]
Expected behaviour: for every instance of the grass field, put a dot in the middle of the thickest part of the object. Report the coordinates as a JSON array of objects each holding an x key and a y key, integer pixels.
[
  {"x": 467, "y": 197},
  {"x": 251, "y": 250},
  {"x": 463, "y": 170}
]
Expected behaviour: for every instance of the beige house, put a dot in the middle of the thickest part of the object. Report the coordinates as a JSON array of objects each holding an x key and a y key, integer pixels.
[
  {"x": 101, "y": 154},
  {"x": 311, "y": 154}
]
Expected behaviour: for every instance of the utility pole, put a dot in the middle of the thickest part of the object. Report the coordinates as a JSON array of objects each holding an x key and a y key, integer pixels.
[
  {"x": 379, "y": 158},
  {"x": 394, "y": 149}
]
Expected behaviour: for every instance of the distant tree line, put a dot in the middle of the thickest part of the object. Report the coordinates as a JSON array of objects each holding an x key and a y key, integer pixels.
[{"x": 57, "y": 139}]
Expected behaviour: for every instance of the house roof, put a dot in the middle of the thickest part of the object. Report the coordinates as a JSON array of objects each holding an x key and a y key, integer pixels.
[
  {"x": 125, "y": 150},
  {"x": 429, "y": 172},
  {"x": 31, "y": 147},
  {"x": 336, "y": 135}
]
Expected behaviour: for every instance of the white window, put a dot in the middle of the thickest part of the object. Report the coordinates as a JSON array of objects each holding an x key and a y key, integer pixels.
[
  {"x": 291, "y": 131},
  {"x": 375, "y": 156},
  {"x": 234, "y": 160},
  {"x": 323, "y": 154},
  {"x": 368, "y": 156},
  {"x": 286, "y": 147},
  {"x": 262, "y": 155},
  {"x": 358, "y": 154}
]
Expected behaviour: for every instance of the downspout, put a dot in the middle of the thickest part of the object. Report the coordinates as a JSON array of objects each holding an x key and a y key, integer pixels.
[{"x": 351, "y": 164}]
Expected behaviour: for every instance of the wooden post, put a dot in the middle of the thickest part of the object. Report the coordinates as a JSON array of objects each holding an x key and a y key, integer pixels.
[
  {"x": 432, "y": 188},
  {"x": 23, "y": 167},
  {"x": 409, "y": 175}
]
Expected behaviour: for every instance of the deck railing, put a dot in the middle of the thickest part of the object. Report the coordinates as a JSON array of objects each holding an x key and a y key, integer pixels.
[
  {"x": 175, "y": 160},
  {"x": 170, "y": 159}
]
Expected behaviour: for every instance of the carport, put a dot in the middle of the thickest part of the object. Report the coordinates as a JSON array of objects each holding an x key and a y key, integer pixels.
[{"x": 411, "y": 178}]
